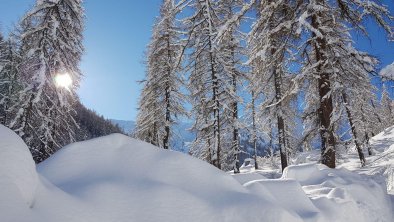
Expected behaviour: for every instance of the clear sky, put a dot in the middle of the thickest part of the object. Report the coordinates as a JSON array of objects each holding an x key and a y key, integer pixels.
[{"x": 117, "y": 32}]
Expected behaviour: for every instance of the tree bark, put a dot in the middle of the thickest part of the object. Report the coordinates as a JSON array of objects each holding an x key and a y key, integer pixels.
[
  {"x": 354, "y": 131},
  {"x": 235, "y": 109},
  {"x": 216, "y": 114},
  {"x": 254, "y": 131},
  {"x": 279, "y": 114},
  {"x": 326, "y": 104},
  {"x": 167, "y": 99}
]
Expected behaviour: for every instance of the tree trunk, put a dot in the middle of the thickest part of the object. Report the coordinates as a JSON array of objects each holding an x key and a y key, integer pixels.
[
  {"x": 366, "y": 133},
  {"x": 279, "y": 114},
  {"x": 167, "y": 123},
  {"x": 235, "y": 113},
  {"x": 235, "y": 130},
  {"x": 216, "y": 114},
  {"x": 167, "y": 100},
  {"x": 254, "y": 131},
  {"x": 326, "y": 105},
  {"x": 354, "y": 131},
  {"x": 367, "y": 144}
]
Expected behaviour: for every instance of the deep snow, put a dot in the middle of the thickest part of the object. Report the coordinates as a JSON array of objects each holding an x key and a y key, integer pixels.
[{"x": 116, "y": 178}]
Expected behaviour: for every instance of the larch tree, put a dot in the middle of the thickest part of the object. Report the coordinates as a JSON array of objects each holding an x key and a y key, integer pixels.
[
  {"x": 331, "y": 63},
  {"x": 362, "y": 116},
  {"x": 204, "y": 80},
  {"x": 9, "y": 79},
  {"x": 230, "y": 57},
  {"x": 162, "y": 100},
  {"x": 3, "y": 80},
  {"x": 51, "y": 45},
  {"x": 387, "y": 106},
  {"x": 270, "y": 43}
]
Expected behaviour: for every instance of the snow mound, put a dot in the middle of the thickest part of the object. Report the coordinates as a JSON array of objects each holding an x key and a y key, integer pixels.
[
  {"x": 18, "y": 176},
  {"x": 125, "y": 179},
  {"x": 243, "y": 178},
  {"x": 342, "y": 195},
  {"x": 116, "y": 178},
  {"x": 288, "y": 194},
  {"x": 304, "y": 173}
]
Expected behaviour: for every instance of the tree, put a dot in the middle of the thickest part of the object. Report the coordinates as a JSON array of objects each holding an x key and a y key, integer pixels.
[
  {"x": 9, "y": 79},
  {"x": 387, "y": 105},
  {"x": 331, "y": 63},
  {"x": 162, "y": 100},
  {"x": 231, "y": 52},
  {"x": 270, "y": 44},
  {"x": 51, "y": 45},
  {"x": 204, "y": 80},
  {"x": 91, "y": 125}
]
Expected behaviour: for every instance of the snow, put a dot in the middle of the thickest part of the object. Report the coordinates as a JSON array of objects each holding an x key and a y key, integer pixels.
[
  {"x": 380, "y": 166},
  {"x": 116, "y": 178},
  {"x": 342, "y": 192},
  {"x": 17, "y": 168},
  {"x": 388, "y": 71}
]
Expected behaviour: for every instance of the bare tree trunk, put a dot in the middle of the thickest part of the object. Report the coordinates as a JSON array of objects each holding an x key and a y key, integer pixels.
[
  {"x": 235, "y": 130},
  {"x": 167, "y": 100},
  {"x": 366, "y": 133},
  {"x": 279, "y": 114},
  {"x": 216, "y": 114},
  {"x": 354, "y": 131},
  {"x": 326, "y": 105},
  {"x": 254, "y": 131},
  {"x": 235, "y": 144},
  {"x": 168, "y": 115}
]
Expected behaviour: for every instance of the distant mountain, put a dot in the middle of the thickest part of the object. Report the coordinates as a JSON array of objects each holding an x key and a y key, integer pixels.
[
  {"x": 126, "y": 125},
  {"x": 183, "y": 135}
]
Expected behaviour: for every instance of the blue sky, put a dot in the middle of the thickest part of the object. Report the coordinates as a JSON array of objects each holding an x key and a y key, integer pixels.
[{"x": 116, "y": 36}]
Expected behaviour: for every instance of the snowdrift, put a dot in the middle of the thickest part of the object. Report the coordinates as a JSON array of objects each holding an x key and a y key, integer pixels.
[
  {"x": 116, "y": 178},
  {"x": 17, "y": 168}
]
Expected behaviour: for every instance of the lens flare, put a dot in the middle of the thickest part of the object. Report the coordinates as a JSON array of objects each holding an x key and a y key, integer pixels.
[{"x": 63, "y": 80}]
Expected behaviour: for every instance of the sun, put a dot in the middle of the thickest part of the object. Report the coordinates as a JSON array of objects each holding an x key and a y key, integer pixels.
[{"x": 63, "y": 80}]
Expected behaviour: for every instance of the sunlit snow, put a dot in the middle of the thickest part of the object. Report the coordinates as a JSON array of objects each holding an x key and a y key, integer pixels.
[{"x": 116, "y": 178}]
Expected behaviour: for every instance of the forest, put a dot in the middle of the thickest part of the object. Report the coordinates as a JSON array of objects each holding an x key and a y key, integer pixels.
[
  {"x": 279, "y": 113},
  {"x": 284, "y": 73}
]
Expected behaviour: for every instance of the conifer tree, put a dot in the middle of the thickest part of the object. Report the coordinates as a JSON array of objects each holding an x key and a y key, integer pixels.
[
  {"x": 51, "y": 44},
  {"x": 9, "y": 79},
  {"x": 331, "y": 63},
  {"x": 162, "y": 100},
  {"x": 230, "y": 57},
  {"x": 270, "y": 43},
  {"x": 205, "y": 84}
]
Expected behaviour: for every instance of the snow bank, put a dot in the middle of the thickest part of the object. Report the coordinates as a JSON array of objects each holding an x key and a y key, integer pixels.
[
  {"x": 342, "y": 195},
  {"x": 243, "y": 178},
  {"x": 288, "y": 194},
  {"x": 116, "y": 178},
  {"x": 18, "y": 176},
  {"x": 125, "y": 179}
]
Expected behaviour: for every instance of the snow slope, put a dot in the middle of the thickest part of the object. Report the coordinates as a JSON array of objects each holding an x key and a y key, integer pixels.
[
  {"x": 116, "y": 178},
  {"x": 380, "y": 166},
  {"x": 16, "y": 167},
  {"x": 125, "y": 178}
]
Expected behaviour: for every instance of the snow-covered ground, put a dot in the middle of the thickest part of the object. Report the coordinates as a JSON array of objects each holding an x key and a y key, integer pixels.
[{"x": 115, "y": 178}]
